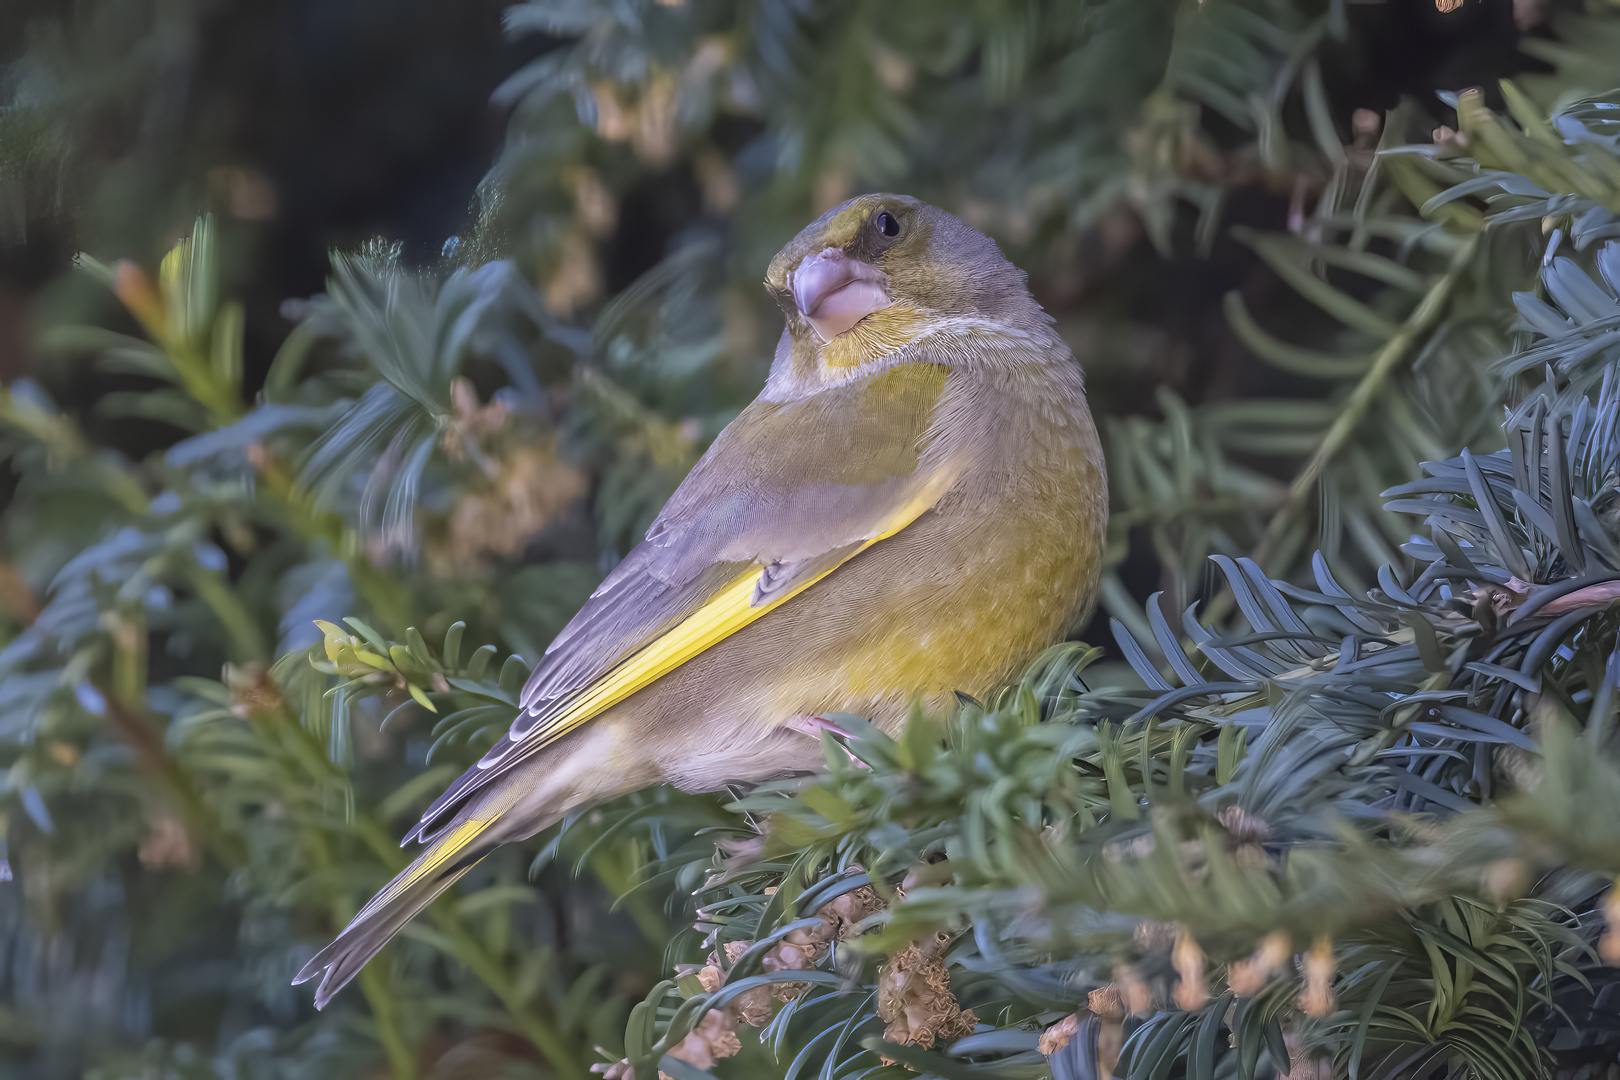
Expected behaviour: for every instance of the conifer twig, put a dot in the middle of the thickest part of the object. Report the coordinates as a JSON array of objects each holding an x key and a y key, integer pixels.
[{"x": 1386, "y": 361}]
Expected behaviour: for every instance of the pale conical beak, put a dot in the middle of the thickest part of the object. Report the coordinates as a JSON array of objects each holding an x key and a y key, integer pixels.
[{"x": 834, "y": 292}]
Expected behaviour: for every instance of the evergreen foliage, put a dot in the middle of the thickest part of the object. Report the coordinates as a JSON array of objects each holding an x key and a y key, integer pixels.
[{"x": 1349, "y": 806}]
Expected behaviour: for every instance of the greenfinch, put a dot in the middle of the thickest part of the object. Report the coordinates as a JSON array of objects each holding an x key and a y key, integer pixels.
[{"x": 913, "y": 506}]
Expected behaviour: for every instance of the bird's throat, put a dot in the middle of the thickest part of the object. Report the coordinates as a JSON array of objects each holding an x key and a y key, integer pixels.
[{"x": 877, "y": 335}]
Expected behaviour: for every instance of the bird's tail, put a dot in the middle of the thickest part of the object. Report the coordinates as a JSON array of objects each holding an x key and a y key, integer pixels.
[{"x": 451, "y": 855}]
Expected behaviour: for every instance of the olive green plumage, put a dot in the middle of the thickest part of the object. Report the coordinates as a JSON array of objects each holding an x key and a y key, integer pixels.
[{"x": 914, "y": 505}]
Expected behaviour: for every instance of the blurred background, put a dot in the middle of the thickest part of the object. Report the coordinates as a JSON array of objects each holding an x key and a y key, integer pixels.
[{"x": 413, "y": 313}]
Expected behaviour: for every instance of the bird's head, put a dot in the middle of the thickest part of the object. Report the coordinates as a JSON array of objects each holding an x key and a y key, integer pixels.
[{"x": 874, "y": 273}]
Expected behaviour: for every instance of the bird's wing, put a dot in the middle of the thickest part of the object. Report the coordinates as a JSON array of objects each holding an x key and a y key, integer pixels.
[{"x": 786, "y": 495}]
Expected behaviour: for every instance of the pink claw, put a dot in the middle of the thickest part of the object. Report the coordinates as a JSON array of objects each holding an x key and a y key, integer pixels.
[{"x": 813, "y": 726}]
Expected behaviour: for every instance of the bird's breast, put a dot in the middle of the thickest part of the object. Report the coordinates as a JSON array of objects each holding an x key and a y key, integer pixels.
[{"x": 970, "y": 593}]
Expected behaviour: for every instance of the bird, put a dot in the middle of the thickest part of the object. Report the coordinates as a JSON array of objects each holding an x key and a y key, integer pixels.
[{"x": 912, "y": 509}]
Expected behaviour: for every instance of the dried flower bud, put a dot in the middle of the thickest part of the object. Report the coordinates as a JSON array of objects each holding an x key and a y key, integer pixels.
[
  {"x": 711, "y": 1040},
  {"x": 1247, "y": 836},
  {"x": 1188, "y": 959},
  {"x": 1106, "y": 1002},
  {"x": 915, "y": 999},
  {"x": 1317, "y": 997},
  {"x": 1059, "y": 1035},
  {"x": 1249, "y": 976},
  {"x": 654, "y": 134},
  {"x": 1506, "y": 879},
  {"x": 850, "y": 908},
  {"x": 576, "y": 275},
  {"x": 809, "y": 936},
  {"x": 253, "y": 691},
  {"x": 594, "y": 203},
  {"x": 753, "y": 1007},
  {"x": 1133, "y": 989},
  {"x": 1243, "y": 825},
  {"x": 1609, "y": 944}
]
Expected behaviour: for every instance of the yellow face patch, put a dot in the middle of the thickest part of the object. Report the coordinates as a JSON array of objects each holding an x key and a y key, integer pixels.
[
  {"x": 874, "y": 337},
  {"x": 840, "y": 231}
]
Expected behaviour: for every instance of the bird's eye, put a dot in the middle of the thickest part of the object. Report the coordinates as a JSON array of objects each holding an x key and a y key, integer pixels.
[{"x": 887, "y": 225}]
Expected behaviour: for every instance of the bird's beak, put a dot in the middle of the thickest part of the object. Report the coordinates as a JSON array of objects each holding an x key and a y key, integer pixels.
[{"x": 834, "y": 292}]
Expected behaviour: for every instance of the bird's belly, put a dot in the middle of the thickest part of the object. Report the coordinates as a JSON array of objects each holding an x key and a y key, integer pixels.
[{"x": 953, "y": 608}]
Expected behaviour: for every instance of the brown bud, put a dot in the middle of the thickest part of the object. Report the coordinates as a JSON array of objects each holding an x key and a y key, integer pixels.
[
  {"x": 1059, "y": 1035},
  {"x": 1188, "y": 958},
  {"x": 1317, "y": 997},
  {"x": 1506, "y": 879},
  {"x": 1106, "y": 1002},
  {"x": 1609, "y": 944},
  {"x": 710, "y": 1041},
  {"x": 915, "y": 1000},
  {"x": 1133, "y": 990},
  {"x": 1249, "y": 976}
]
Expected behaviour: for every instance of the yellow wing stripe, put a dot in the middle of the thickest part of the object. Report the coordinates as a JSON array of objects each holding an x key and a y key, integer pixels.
[
  {"x": 442, "y": 851},
  {"x": 725, "y": 613}
]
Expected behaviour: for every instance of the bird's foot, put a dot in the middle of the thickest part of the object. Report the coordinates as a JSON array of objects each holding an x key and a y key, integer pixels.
[{"x": 814, "y": 726}]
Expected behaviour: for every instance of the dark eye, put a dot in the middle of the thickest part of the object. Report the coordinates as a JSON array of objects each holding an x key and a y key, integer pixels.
[{"x": 887, "y": 225}]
